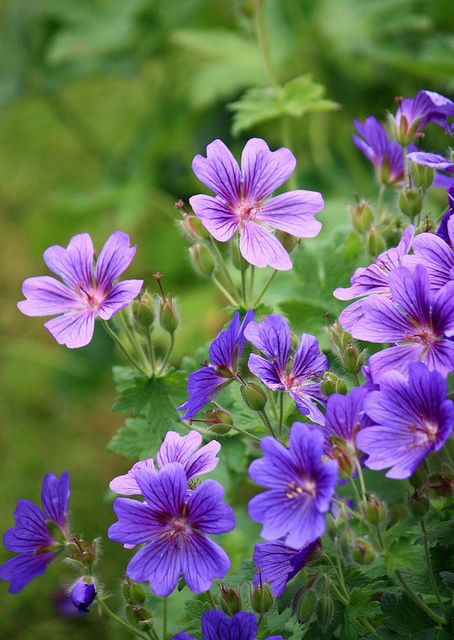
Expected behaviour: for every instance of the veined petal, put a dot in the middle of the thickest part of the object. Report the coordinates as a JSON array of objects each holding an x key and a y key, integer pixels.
[
  {"x": 207, "y": 511},
  {"x": 261, "y": 248},
  {"x": 216, "y": 216},
  {"x": 223, "y": 346},
  {"x": 23, "y": 568},
  {"x": 309, "y": 361},
  {"x": 202, "y": 560},
  {"x": 127, "y": 484},
  {"x": 137, "y": 522},
  {"x": 74, "y": 264},
  {"x": 119, "y": 297},
  {"x": 219, "y": 171},
  {"x": 411, "y": 291},
  {"x": 203, "y": 461},
  {"x": 203, "y": 385},
  {"x": 30, "y": 531},
  {"x": 115, "y": 257},
  {"x": 165, "y": 490},
  {"x": 266, "y": 371},
  {"x": 437, "y": 256},
  {"x": 55, "y": 496},
  {"x": 381, "y": 322},
  {"x": 395, "y": 359},
  {"x": 272, "y": 337},
  {"x": 72, "y": 329},
  {"x": 293, "y": 212},
  {"x": 176, "y": 448},
  {"x": 46, "y": 296},
  {"x": 264, "y": 171},
  {"x": 159, "y": 563}
]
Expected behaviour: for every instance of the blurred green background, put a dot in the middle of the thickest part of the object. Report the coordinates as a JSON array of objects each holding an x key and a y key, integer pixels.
[{"x": 103, "y": 104}]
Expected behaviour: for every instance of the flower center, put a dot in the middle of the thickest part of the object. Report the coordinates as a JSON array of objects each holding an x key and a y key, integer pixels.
[
  {"x": 424, "y": 432},
  {"x": 246, "y": 211},
  {"x": 303, "y": 487},
  {"x": 91, "y": 298},
  {"x": 425, "y": 336},
  {"x": 179, "y": 527}
]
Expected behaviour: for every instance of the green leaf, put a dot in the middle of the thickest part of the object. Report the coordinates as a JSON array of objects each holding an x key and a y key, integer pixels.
[
  {"x": 304, "y": 316},
  {"x": 302, "y": 95},
  {"x": 403, "y": 616},
  {"x": 360, "y": 607},
  {"x": 194, "y": 610},
  {"x": 254, "y": 107},
  {"x": 402, "y": 554},
  {"x": 234, "y": 454},
  {"x": 136, "y": 439}
]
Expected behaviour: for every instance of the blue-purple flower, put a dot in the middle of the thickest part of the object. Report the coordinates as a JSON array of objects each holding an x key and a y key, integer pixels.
[
  {"x": 299, "y": 486},
  {"x": 385, "y": 155},
  {"x": 413, "y": 114},
  {"x": 439, "y": 163},
  {"x": 173, "y": 523},
  {"x": 83, "y": 593},
  {"x": 410, "y": 419},
  {"x": 277, "y": 563},
  {"x": 216, "y": 625},
  {"x": 443, "y": 231},
  {"x": 416, "y": 321},
  {"x": 299, "y": 375},
  {"x": 436, "y": 255},
  {"x": 242, "y": 201},
  {"x": 186, "y": 450},
  {"x": 38, "y": 535},
  {"x": 88, "y": 291},
  {"x": 225, "y": 353}
]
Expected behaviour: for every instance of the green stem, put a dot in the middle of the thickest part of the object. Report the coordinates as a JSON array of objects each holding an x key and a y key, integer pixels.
[
  {"x": 381, "y": 194},
  {"x": 151, "y": 350},
  {"x": 417, "y": 600},
  {"x": 102, "y": 605},
  {"x": 406, "y": 172},
  {"x": 265, "y": 288},
  {"x": 211, "y": 600},
  {"x": 164, "y": 618},
  {"x": 251, "y": 283},
  {"x": 168, "y": 354},
  {"x": 243, "y": 275},
  {"x": 281, "y": 411},
  {"x": 429, "y": 564},
  {"x": 122, "y": 347},
  {"x": 134, "y": 343},
  {"x": 367, "y": 625},
  {"x": 223, "y": 290},
  {"x": 267, "y": 423},
  {"x": 362, "y": 484},
  {"x": 224, "y": 267}
]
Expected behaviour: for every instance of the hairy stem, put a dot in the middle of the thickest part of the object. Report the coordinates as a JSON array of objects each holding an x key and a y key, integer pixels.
[{"x": 103, "y": 606}]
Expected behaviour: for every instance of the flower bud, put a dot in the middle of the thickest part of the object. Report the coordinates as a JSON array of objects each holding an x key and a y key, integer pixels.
[
  {"x": 427, "y": 225},
  {"x": 422, "y": 176},
  {"x": 374, "y": 511},
  {"x": 288, "y": 241},
  {"x": 440, "y": 485},
  {"x": 403, "y": 130},
  {"x": 375, "y": 242},
  {"x": 362, "y": 216},
  {"x": 410, "y": 201},
  {"x": 133, "y": 592},
  {"x": 418, "y": 504},
  {"x": 139, "y": 616},
  {"x": 254, "y": 396},
  {"x": 83, "y": 593},
  {"x": 193, "y": 227},
  {"x": 353, "y": 359},
  {"x": 202, "y": 259},
  {"x": 362, "y": 552},
  {"x": 230, "y": 600},
  {"x": 220, "y": 421},
  {"x": 168, "y": 317},
  {"x": 306, "y": 606},
  {"x": 324, "y": 612},
  {"x": 332, "y": 383},
  {"x": 418, "y": 478},
  {"x": 261, "y": 598},
  {"x": 143, "y": 311}
]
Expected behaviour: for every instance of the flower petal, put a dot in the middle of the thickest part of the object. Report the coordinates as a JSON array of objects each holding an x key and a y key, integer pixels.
[
  {"x": 207, "y": 511},
  {"x": 137, "y": 522},
  {"x": 159, "y": 563},
  {"x": 264, "y": 171},
  {"x": 217, "y": 217},
  {"x": 293, "y": 212},
  {"x": 115, "y": 257},
  {"x": 203, "y": 385},
  {"x": 30, "y": 531},
  {"x": 55, "y": 496},
  {"x": 23, "y": 568},
  {"x": 202, "y": 560},
  {"x": 219, "y": 171},
  {"x": 47, "y": 296},
  {"x": 120, "y": 296},
  {"x": 272, "y": 337},
  {"x": 266, "y": 371},
  {"x": 308, "y": 361},
  {"x": 74, "y": 264},
  {"x": 72, "y": 329},
  {"x": 260, "y": 248},
  {"x": 164, "y": 490},
  {"x": 437, "y": 256},
  {"x": 127, "y": 484}
]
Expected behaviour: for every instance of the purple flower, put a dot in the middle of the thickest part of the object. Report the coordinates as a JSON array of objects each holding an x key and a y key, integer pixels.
[
  {"x": 82, "y": 594},
  {"x": 418, "y": 322},
  {"x": 298, "y": 376},
  {"x": 241, "y": 201},
  {"x": 413, "y": 114},
  {"x": 384, "y": 154},
  {"x": 443, "y": 231},
  {"x": 175, "y": 448},
  {"x": 216, "y": 625},
  {"x": 431, "y": 160},
  {"x": 300, "y": 487},
  {"x": 410, "y": 419},
  {"x": 172, "y": 523},
  {"x": 38, "y": 534},
  {"x": 225, "y": 353},
  {"x": 437, "y": 256},
  {"x": 277, "y": 564},
  {"x": 87, "y": 291}
]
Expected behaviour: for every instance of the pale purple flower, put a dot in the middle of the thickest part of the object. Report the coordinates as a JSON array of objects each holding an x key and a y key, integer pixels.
[
  {"x": 83, "y": 594},
  {"x": 427, "y": 106},
  {"x": 175, "y": 448},
  {"x": 173, "y": 523},
  {"x": 277, "y": 563},
  {"x": 385, "y": 155},
  {"x": 241, "y": 202},
  {"x": 87, "y": 291},
  {"x": 225, "y": 353},
  {"x": 300, "y": 487},
  {"x": 299, "y": 375},
  {"x": 216, "y": 625},
  {"x": 431, "y": 160},
  {"x": 436, "y": 255},
  {"x": 32, "y": 537},
  {"x": 443, "y": 232},
  {"x": 410, "y": 419},
  {"x": 416, "y": 321}
]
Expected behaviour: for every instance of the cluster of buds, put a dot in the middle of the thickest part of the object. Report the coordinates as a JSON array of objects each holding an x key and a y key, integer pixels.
[
  {"x": 314, "y": 601},
  {"x": 362, "y": 216},
  {"x": 217, "y": 420},
  {"x": 346, "y": 350},
  {"x": 136, "y": 613}
]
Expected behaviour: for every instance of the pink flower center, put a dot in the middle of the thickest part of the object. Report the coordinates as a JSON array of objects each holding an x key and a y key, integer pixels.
[
  {"x": 425, "y": 336},
  {"x": 305, "y": 487},
  {"x": 179, "y": 527},
  {"x": 91, "y": 298},
  {"x": 424, "y": 433},
  {"x": 246, "y": 211}
]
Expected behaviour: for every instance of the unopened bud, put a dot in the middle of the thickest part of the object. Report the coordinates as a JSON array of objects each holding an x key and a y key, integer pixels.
[
  {"x": 410, "y": 201},
  {"x": 374, "y": 511},
  {"x": 422, "y": 176},
  {"x": 418, "y": 478},
  {"x": 133, "y": 592},
  {"x": 403, "y": 130},
  {"x": 345, "y": 461},
  {"x": 288, "y": 241},
  {"x": 427, "y": 225},
  {"x": 353, "y": 359},
  {"x": 418, "y": 504},
  {"x": 139, "y": 616},
  {"x": 220, "y": 421},
  {"x": 193, "y": 228},
  {"x": 202, "y": 259},
  {"x": 324, "y": 612},
  {"x": 230, "y": 600},
  {"x": 440, "y": 485},
  {"x": 254, "y": 396},
  {"x": 83, "y": 593},
  {"x": 168, "y": 317},
  {"x": 362, "y": 216},
  {"x": 362, "y": 552},
  {"x": 375, "y": 242},
  {"x": 261, "y": 598},
  {"x": 306, "y": 606},
  {"x": 143, "y": 311},
  {"x": 331, "y": 383}
]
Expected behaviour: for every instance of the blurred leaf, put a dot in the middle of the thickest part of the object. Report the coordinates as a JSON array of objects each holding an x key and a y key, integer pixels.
[
  {"x": 305, "y": 317},
  {"x": 403, "y": 616},
  {"x": 360, "y": 607}
]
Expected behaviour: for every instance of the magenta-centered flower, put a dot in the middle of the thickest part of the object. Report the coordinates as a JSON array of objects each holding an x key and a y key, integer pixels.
[
  {"x": 173, "y": 523},
  {"x": 299, "y": 486},
  {"x": 216, "y": 625},
  {"x": 242, "y": 201},
  {"x": 38, "y": 534},
  {"x": 175, "y": 448},
  {"x": 87, "y": 291},
  {"x": 299, "y": 375},
  {"x": 410, "y": 419},
  {"x": 413, "y": 114}
]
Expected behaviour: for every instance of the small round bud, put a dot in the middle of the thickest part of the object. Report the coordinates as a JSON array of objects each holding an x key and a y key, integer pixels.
[
  {"x": 261, "y": 598},
  {"x": 194, "y": 228},
  {"x": 374, "y": 511},
  {"x": 202, "y": 259},
  {"x": 410, "y": 201},
  {"x": 375, "y": 242},
  {"x": 418, "y": 478},
  {"x": 220, "y": 421},
  {"x": 143, "y": 311},
  {"x": 288, "y": 241},
  {"x": 331, "y": 383},
  {"x": 422, "y": 176},
  {"x": 418, "y": 504},
  {"x": 230, "y": 600},
  {"x": 168, "y": 316},
  {"x": 353, "y": 359},
  {"x": 324, "y": 612},
  {"x": 139, "y": 616},
  {"x": 362, "y": 552},
  {"x": 133, "y": 592},
  {"x": 83, "y": 593},
  {"x": 362, "y": 216},
  {"x": 254, "y": 396},
  {"x": 306, "y": 606}
]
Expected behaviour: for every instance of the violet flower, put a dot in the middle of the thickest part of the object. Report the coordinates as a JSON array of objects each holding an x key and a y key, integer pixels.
[
  {"x": 87, "y": 291},
  {"x": 443, "y": 232},
  {"x": 413, "y": 114},
  {"x": 410, "y": 419},
  {"x": 173, "y": 524},
  {"x": 300, "y": 487},
  {"x": 38, "y": 535},
  {"x": 175, "y": 448},
  {"x": 385, "y": 155},
  {"x": 83, "y": 594},
  {"x": 216, "y": 625},
  {"x": 419, "y": 323},
  {"x": 436, "y": 255},
  {"x": 277, "y": 563},
  {"x": 225, "y": 353},
  {"x": 241, "y": 202},
  {"x": 299, "y": 376},
  {"x": 431, "y": 160}
]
